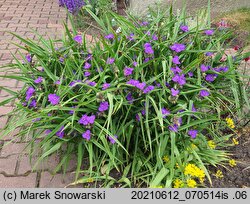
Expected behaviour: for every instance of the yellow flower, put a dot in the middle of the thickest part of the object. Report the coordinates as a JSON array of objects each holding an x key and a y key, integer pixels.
[
  {"x": 157, "y": 187},
  {"x": 177, "y": 165},
  {"x": 90, "y": 180},
  {"x": 191, "y": 183},
  {"x": 193, "y": 146},
  {"x": 230, "y": 123},
  {"x": 211, "y": 144},
  {"x": 166, "y": 158},
  {"x": 194, "y": 171},
  {"x": 219, "y": 174},
  {"x": 235, "y": 142},
  {"x": 178, "y": 183},
  {"x": 232, "y": 162}
]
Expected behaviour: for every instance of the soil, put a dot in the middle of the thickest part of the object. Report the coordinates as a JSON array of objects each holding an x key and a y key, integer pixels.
[{"x": 238, "y": 176}]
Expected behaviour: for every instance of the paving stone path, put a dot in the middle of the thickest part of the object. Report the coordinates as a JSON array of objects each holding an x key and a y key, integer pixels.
[{"x": 21, "y": 16}]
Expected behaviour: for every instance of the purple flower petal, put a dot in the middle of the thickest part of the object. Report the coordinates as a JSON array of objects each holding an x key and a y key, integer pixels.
[
  {"x": 128, "y": 71},
  {"x": 148, "y": 48},
  {"x": 209, "y": 32},
  {"x": 174, "y": 92},
  {"x": 176, "y": 60},
  {"x": 165, "y": 112},
  {"x": 178, "y": 47},
  {"x": 173, "y": 128},
  {"x": 204, "y": 68},
  {"x": 87, "y": 65},
  {"x": 184, "y": 28},
  {"x": 105, "y": 86},
  {"x": 38, "y": 80},
  {"x": 148, "y": 89},
  {"x": 54, "y": 99},
  {"x": 103, "y": 106},
  {"x": 110, "y": 36},
  {"x": 204, "y": 93},
  {"x": 110, "y": 60},
  {"x": 193, "y": 133},
  {"x": 86, "y": 135},
  {"x": 78, "y": 39},
  {"x": 112, "y": 141}
]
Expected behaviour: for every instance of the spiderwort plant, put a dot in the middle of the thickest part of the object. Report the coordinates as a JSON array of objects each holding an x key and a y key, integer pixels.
[{"x": 131, "y": 99}]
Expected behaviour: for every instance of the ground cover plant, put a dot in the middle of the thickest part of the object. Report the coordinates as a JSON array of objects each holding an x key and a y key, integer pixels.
[{"x": 150, "y": 99}]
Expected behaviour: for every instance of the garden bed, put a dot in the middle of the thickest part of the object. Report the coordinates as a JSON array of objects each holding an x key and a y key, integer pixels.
[{"x": 154, "y": 100}]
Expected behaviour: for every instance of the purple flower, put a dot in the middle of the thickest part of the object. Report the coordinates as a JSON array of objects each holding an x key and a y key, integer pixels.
[
  {"x": 87, "y": 120},
  {"x": 148, "y": 89},
  {"x": 193, "y": 133},
  {"x": 105, "y": 86},
  {"x": 210, "y": 77},
  {"x": 190, "y": 74},
  {"x": 110, "y": 36},
  {"x": 174, "y": 92},
  {"x": 130, "y": 97},
  {"x": 147, "y": 33},
  {"x": 28, "y": 58},
  {"x": 176, "y": 60},
  {"x": 209, "y": 32},
  {"x": 209, "y": 54},
  {"x": 112, "y": 141},
  {"x": 180, "y": 79},
  {"x": 140, "y": 86},
  {"x": 204, "y": 68},
  {"x": 72, "y": 84},
  {"x": 78, "y": 39},
  {"x": 128, "y": 71},
  {"x": 184, "y": 28},
  {"x": 165, "y": 112},
  {"x": 148, "y": 48},
  {"x": 194, "y": 109},
  {"x": 91, "y": 83},
  {"x": 137, "y": 117},
  {"x": 143, "y": 112},
  {"x": 58, "y": 82},
  {"x": 131, "y": 37},
  {"x": 38, "y": 80},
  {"x": 176, "y": 70},
  {"x": 30, "y": 91},
  {"x": 86, "y": 135},
  {"x": 110, "y": 60},
  {"x": 178, "y": 47},
  {"x": 86, "y": 74},
  {"x": 133, "y": 82},
  {"x": 221, "y": 69},
  {"x": 154, "y": 37},
  {"x": 144, "y": 23},
  {"x": 103, "y": 106},
  {"x": 47, "y": 132},
  {"x": 32, "y": 104},
  {"x": 61, "y": 59},
  {"x": 53, "y": 99},
  {"x": 173, "y": 128},
  {"x": 146, "y": 60},
  {"x": 73, "y": 6},
  {"x": 87, "y": 65},
  {"x": 60, "y": 133},
  {"x": 204, "y": 93},
  {"x": 71, "y": 112},
  {"x": 135, "y": 64}
]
